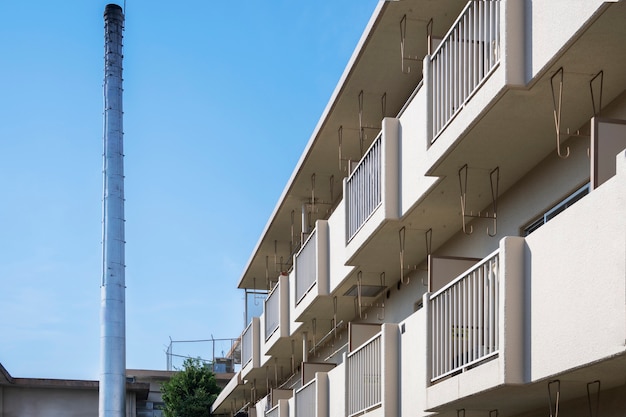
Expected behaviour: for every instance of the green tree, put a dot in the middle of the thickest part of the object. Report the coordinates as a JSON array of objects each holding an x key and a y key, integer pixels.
[{"x": 190, "y": 392}]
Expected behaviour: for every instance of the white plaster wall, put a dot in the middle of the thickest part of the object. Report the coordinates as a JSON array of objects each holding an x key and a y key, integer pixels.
[
  {"x": 338, "y": 271},
  {"x": 337, "y": 390},
  {"x": 550, "y": 24},
  {"x": 413, "y": 360},
  {"x": 322, "y": 282},
  {"x": 412, "y": 146},
  {"x": 293, "y": 309},
  {"x": 576, "y": 267},
  {"x": 390, "y": 369}
]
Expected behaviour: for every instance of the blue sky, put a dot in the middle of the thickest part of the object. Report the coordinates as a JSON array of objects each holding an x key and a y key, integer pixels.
[{"x": 220, "y": 99}]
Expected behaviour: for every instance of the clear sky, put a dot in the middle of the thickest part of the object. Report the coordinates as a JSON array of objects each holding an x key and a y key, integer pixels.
[{"x": 220, "y": 99}]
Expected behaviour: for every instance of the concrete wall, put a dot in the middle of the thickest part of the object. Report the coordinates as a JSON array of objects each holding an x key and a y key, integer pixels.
[
  {"x": 576, "y": 265},
  {"x": 337, "y": 235},
  {"x": 48, "y": 402},
  {"x": 551, "y": 25},
  {"x": 413, "y": 361},
  {"x": 337, "y": 397}
]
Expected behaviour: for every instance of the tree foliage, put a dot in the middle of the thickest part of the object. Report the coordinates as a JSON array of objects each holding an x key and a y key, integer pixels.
[{"x": 190, "y": 392}]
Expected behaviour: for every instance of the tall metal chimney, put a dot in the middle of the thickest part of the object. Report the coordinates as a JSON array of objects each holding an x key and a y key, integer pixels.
[{"x": 112, "y": 402}]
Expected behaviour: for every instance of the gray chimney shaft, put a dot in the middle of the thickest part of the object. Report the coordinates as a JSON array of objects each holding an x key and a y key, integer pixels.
[{"x": 112, "y": 395}]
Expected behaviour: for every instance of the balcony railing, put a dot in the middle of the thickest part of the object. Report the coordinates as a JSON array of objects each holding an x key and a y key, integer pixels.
[
  {"x": 273, "y": 412},
  {"x": 364, "y": 188},
  {"x": 364, "y": 377},
  {"x": 305, "y": 400},
  {"x": 306, "y": 267},
  {"x": 272, "y": 312},
  {"x": 246, "y": 345},
  {"x": 464, "y": 59},
  {"x": 465, "y": 319}
]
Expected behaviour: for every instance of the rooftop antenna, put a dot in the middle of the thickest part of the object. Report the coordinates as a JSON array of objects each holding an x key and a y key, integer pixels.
[{"x": 112, "y": 389}]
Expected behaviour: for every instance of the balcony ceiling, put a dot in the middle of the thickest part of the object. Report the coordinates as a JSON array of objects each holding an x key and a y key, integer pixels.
[{"x": 375, "y": 68}]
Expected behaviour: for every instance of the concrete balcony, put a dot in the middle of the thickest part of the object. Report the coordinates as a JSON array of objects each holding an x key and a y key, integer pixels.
[
  {"x": 251, "y": 347},
  {"x": 311, "y": 270},
  {"x": 475, "y": 327},
  {"x": 481, "y": 56},
  {"x": 371, "y": 191},
  {"x": 576, "y": 289},
  {"x": 276, "y": 315},
  {"x": 312, "y": 399},
  {"x": 548, "y": 306},
  {"x": 371, "y": 381},
  {"x": 281, "y": 409}
]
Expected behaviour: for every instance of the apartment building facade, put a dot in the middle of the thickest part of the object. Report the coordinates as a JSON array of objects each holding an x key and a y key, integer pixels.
[{"x": 453, "y": 238}]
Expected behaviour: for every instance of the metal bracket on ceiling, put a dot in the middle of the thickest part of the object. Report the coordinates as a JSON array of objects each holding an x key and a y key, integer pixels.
[
  {"x": 557, "y": 105},
  {"x": 359, "y": 301},
  {"x": 316, "y": 200},
  {"x": 312, "y": 193},
  {"x": 255, "y": 294},
  {"x": 428, "y": 236},
  {"x": 383, "y": 285},
  {"x": 362, "y": 127},
  {"x": 403, "y": 55},
  {"x": 279, "y": 265},
  {"x": 554, "y": 406},
  {"x": 342, "y": 159},
  {"x": 494, "y": 180},
  {"x": 335, "y": 315},
  {"x": 314, "y": 328},
  {"x": 359, "y": 305},
  {"x": 293, "y": 356},
  {"x": 493, "y": 413},
  {"x": 599, "y": 76},
  {"x": 593, "y": 411},
  {"x": 402, "y": 236},
  {"x": 292, "y": 232},
  {"x": 267, "y": 273}
]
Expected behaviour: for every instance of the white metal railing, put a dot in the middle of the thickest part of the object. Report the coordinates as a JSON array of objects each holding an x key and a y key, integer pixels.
[
  {"x": 273, "y": 412},
  {"x": 272, "y": 311},
  {"x": 306, "y": 270},
  {"x": 306, "y": 404},
  {"x": 246, "y": 345},
  {"x": 364, "y": 377},
  {"x": 464, "y": 59},
  {"x": 364, "y": 188},
  {"x": 464, "y": 319}
]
